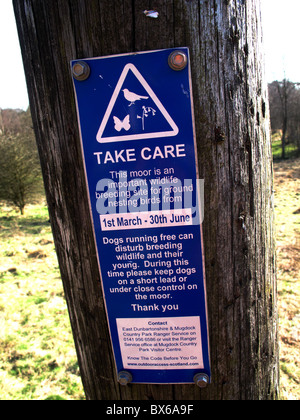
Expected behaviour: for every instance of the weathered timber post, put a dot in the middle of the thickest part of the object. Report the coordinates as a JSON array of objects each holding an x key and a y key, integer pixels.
[{"x": 232, "y": 125}]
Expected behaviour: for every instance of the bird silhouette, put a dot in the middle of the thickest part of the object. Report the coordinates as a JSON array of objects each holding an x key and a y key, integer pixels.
[{"x": 133, "y": 97}]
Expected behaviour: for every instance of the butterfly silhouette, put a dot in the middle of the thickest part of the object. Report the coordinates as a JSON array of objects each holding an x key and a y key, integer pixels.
[{"x": 119, "y": 125}]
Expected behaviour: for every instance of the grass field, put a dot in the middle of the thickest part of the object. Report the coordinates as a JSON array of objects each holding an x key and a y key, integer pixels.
[
  {"x": 287, "y": 206},
  {"x": 37, "y": 356},
  {"x": 291, "y": 150}
]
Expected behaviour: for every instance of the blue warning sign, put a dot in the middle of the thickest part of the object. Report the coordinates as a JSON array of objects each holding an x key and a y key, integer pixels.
[{"x": 137, "y": 131}]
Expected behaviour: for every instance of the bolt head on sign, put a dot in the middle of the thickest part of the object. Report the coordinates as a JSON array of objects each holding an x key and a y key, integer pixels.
[
  {"x": 178, "y": 60},
  {"x": 81, "y": 70},
  {"x": 124, "y": 378},
  {"x": 139, "y": 148},
  {"x": 201, "y": 380}
]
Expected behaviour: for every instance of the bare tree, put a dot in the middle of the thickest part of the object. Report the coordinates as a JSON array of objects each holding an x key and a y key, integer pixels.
[
  {"x": 284, "y": 106},
  {"x": 20, "y": 173}
]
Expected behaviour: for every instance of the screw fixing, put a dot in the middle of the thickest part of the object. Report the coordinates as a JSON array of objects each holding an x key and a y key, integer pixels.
[
  {"x": 178, "y": 60},
  {"x": 201, "y": 380},
  {"x": 81, "y": 71},
  {"x": 124, "y": 378}
]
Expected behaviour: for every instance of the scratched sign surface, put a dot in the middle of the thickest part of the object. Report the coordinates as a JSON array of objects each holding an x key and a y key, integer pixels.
[{"x": 137, "y": 131}]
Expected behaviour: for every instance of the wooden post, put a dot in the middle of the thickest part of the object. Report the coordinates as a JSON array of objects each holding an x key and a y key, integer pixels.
[{"x": 232, "y": 124}]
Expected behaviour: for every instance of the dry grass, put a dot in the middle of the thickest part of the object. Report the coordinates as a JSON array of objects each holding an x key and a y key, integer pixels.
[{"x": 287, "y": 204}]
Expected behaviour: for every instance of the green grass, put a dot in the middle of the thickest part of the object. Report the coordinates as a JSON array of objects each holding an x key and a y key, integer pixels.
[
  {"x": 37, "y": 355},
  {"x": 291, "y": 150}
]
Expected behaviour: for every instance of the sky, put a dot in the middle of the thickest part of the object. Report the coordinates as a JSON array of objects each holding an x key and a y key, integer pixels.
[{"x": 281, "y": 29}]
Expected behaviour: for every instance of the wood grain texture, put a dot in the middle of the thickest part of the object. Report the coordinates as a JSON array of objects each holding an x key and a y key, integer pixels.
[{"x": 233, "y": 136}]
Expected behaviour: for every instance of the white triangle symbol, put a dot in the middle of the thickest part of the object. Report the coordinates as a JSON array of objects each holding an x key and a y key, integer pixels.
[{"x": 127, "y": 137}]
